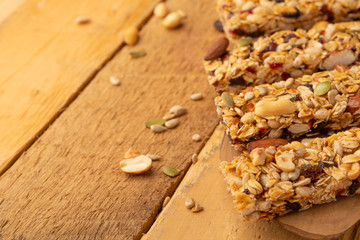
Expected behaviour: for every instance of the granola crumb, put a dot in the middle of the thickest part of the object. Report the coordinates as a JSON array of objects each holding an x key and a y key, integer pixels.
[{"x": 196, "y": 138}]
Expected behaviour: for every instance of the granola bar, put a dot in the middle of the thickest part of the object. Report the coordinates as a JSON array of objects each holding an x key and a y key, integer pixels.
[
  {"x": 285, "y": 54},
  {"x": 256, "y": 17},
  {"x": 269, "y": 182},
  {"x": 317, "y": 103}
]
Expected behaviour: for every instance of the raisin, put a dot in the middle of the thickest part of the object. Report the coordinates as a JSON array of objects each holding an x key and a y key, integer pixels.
[
  {"x": 247, "y": 191},
  {"x": 353, "y": 49},
  {"x": 218, "y": 26},
  {"x": 288, "y": 37},
  {"x": 309, "y": 86},
  {"x": 292, "y": 14},
  {"x": 275, "y": 65},
  {"x": 296, "y": 98},
  {"x": 237, "y": 81},
  {"x": 284, "y": 76},
  {"x": 324, "y": 9},
  {"x": 321, "y": 127},
  {"x": 353, "y": 187},
  {"x": 296, "y": 46},
  {"x": 310, "y": 171},
  {"x": 251, "y": 69},
  {"x": 271, "y": 47},
  {"x": 212, "y": 73},
  {"x": 324, "y": 164},
  {"x": 295, "y": 206},
  {"x": 279, "y": 1}
]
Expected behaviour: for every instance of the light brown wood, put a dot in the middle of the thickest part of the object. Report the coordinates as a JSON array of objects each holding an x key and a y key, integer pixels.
[
  {"x": 46, "y": 58},
  {"x": 327, "y": 221},
  {"x": 7, "y": 7},
  {"x": 204, "y": 183},
  {"x": 68, "y": 184}
]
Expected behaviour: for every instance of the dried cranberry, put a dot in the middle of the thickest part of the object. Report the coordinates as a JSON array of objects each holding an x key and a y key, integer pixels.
[
  {"x": 237, "y": 81},
  {"x": 218, "y": 26},
  {"x": 321, "y": 40},
  {"x": 247, "y": 191},
  {"x": 271, "y": 47},
  {"x": 322, "y": 32},
  {"x": 275, "y": 65},
  {"x": 295, "y": 206},
  {"x": 310, "y": 171},
  {"x": 288, "y": 37},
  {"x": 292, "y": 14},
  {"x": 262, "y": 130},
  {"x": 353, "y": 49},
  {"x": 251, "y": 69},
  {"x": 212, "y": 73},
  {"x": 296, "y": 98},
  {"x": 324, "y": 164},
  {"x": 247, "y": 11},
  {"x": 285, "y": 76},
  {"x": 353, "y": 187}
]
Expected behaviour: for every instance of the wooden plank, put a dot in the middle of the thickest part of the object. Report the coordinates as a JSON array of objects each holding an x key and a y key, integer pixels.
[
  {"x": 7, "y": 7},
  {"x": 46, "y": 59},
  {"x": 204, "y": 182},
  {"x": 69, "y": 185}
]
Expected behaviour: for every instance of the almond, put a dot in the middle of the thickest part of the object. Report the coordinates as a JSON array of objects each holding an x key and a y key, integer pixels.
[
  {"x": 265, "y": 143},
  {"x": 137, "y": 165},
  {"x": 344, "y": 57},
  {"x": 217, "y": 49}
]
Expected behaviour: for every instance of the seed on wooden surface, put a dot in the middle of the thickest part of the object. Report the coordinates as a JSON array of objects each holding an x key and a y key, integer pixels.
[
  {"x": 217, "y": 49},
  {"x": 196, "y": 96},
  {"x": 194, "y": 158},
  {"x": 218, "y": 26},
  {"x": 173, "y": 123},
  {"x": 197, "y": 208},
  {"x": 166, "y": 201},
  {"x": 160, "y": 10},
  {"x": 227, "y": 99},
  {"x": 153, "y": 157},
  {"x": 172, "y": 20},
  {"x": 178, "y": 110},
  {"x": 189, "y": 203},
  {"x": 196, "y": 137},
  {"x": 171, "y": 171},
  {"x": 157, "y": 128},
  {"x": 131, "y": 153},
  {"x": 135, "y": 166},
  {"x": 169, "y": 116},
  {"x": 159, "y": 121},
  {"x": 82, "y": 20},
  {"x": 131, "y": 35},
  {"x": 137, "y": 54},
  {"x": 114, "y": 81}
]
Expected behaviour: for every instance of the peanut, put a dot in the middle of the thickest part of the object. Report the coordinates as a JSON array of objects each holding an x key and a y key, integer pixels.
[{"x": 266, "y": 108}]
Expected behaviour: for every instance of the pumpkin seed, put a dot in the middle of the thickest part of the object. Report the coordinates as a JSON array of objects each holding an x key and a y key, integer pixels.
[
  {"x": 227, "y": 99},
  {"x": 245, "y": 41},
  {"x": 159, "y": 121},
  {"x": 138, "y": 54},
  {"x": 171, "y": 171},
  {"x": 322, "y": 88}
]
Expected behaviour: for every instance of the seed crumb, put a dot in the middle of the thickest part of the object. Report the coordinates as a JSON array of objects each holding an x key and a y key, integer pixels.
[
  {"x": 194, "y": 158},
  {"x": 114, "y": 81},
  {"x": 196, "y": 96},
  {"x": 153, "y": 157},
  {"x": 197, "y": 208},
  {"x": 157, "y": 128},
  {"x": 82, "y": 20},
  {"x": 173, "y": 123},
  {"x": 178, "y": 110},
  {"x": 166, "y": 201},
  {"x": 196, "y": 138},
  {"x": 189, "y": 203}
]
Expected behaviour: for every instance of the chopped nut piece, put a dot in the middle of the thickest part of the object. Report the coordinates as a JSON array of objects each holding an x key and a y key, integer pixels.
[
  {"x": 196, "y": 96},
  {"x": 131, "y": 35},
  {"x": 82, "y": 20},
  {"x": 196, "y": 137},
  {"x": 114, "y": 81},
  {"x": 178, "y": 110},
  {"x": 135, "y": 166},
  {"x": 131, "y": 153},
  {"x": 173, "y": 123},
  {"x": 189, "y": 203},
  {"x": 166, "y": 201},
  {"x": 299, "y": 128},
  {"x": 160, "y": 10},
  {"x": 197, "y": 208},
  {"x": 157, "y": 128},
  {"x": 258, "y": 156},
  {"x": 345, "y": 57},
  {"x": 285, "y": 161}
]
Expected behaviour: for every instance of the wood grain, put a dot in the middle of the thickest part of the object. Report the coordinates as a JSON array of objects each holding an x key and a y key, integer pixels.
[
  {"x": 204, "y": 183},
  {"x": 7, "y": 7},
  {"x": 69, "y": 185},
  {"x": 46, "y": 59}
]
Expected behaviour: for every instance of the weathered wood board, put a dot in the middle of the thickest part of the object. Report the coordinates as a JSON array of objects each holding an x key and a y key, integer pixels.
[
  {"x": 69, "y": 185},
  {"x": 7, "y": 7},
  {"x": 46, "y": 58},
  {"x": 219, "y": 220}
]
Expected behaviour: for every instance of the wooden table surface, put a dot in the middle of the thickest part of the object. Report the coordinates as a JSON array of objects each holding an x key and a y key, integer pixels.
[{"x": 64, "y": 128}]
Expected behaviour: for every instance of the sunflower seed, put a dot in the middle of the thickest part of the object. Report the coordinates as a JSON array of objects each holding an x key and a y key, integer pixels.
[
  {"x": 82, "y": 20},
  {"x": 153, "y": 157},
  {"x": 114, "y": 81},
  {"x": 157, "y": 128},
  {"x": 171, "y": 171},
  {"x": 196, "y": 96},
  {"x": 166, "y": 201},
  {"x": 178, "y": 110},
  {"x": 158, "y": 121},
  {"x": 173, "y": 123},
  {"x": 196, "y": 137},
  {"x": 194, "y": 158}
]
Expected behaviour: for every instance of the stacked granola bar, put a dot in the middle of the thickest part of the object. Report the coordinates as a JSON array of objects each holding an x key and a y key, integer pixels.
[
  {"x": 256, "y": 17},
  {"x": 290, "y": 85},
  {"x": 285, "y": 54}
]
